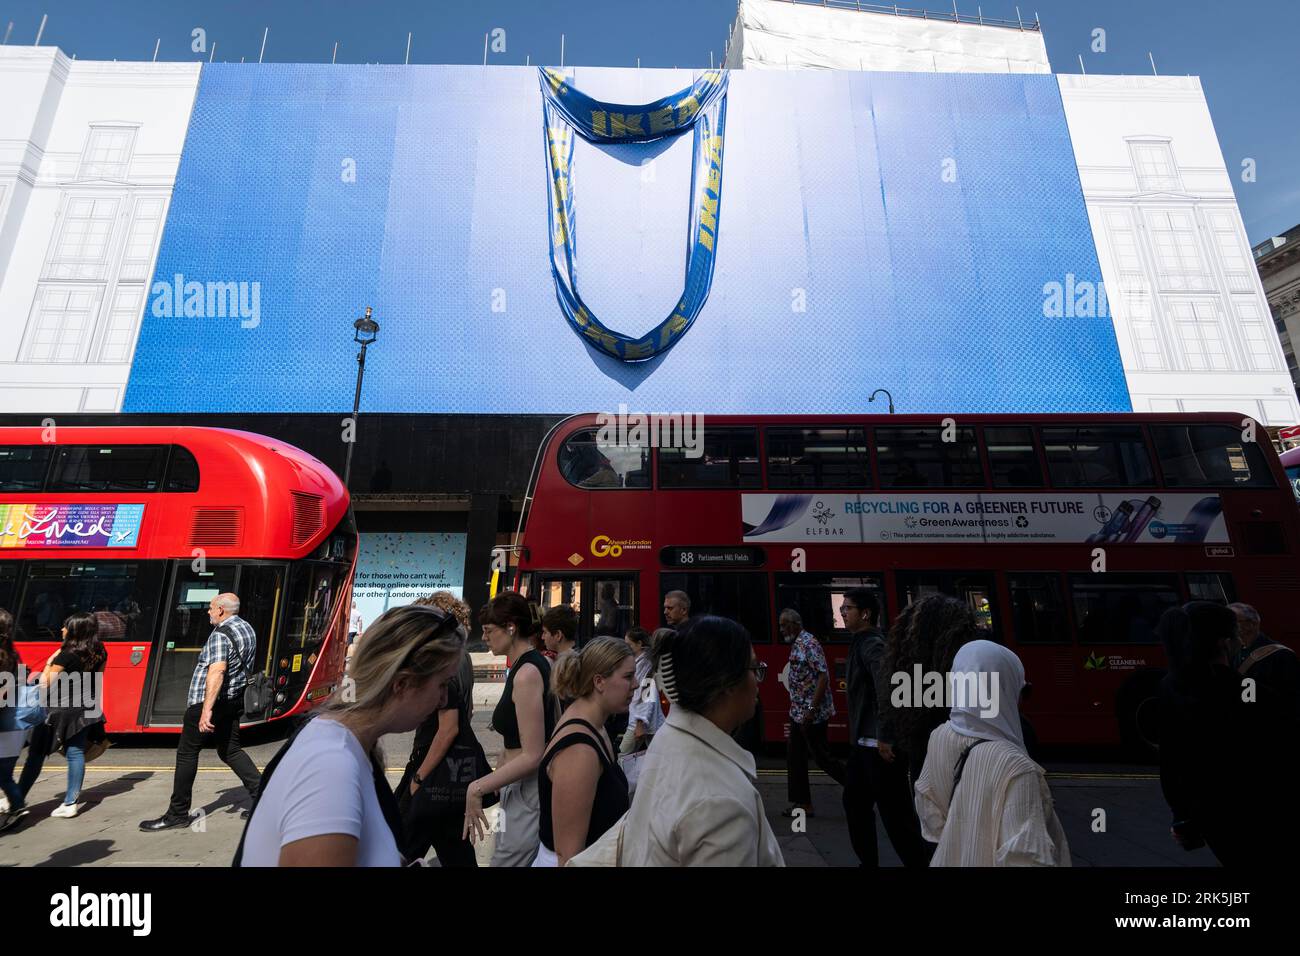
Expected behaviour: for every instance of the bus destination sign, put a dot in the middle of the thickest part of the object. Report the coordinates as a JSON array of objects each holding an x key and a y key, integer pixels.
[{"x": 706, "y": 557}]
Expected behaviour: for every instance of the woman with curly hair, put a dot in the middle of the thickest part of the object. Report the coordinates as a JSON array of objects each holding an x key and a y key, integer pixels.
[
  {"x": 437, "y": 752},
  {"x": 927, "y": 635}
]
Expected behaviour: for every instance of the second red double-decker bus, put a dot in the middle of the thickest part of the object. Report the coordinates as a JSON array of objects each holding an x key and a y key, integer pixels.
[
  {"x": 1068, "y": 536},
  {"x": 143, "y": 526},
  {"x": 1291, "y": 465}
]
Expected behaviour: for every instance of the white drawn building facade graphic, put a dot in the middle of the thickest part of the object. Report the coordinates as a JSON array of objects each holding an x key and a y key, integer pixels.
[
  {"x": 1190, "y": 314},
  {"x": 88, "y": 158}
]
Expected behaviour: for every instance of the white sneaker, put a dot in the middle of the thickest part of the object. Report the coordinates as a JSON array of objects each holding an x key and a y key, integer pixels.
[
  {"x": 67, "y": 810},
  {"x": 4, "y": 804}
]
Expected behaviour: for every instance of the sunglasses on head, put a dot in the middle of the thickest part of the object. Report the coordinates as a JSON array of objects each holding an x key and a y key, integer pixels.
[{"x": 444, "y": 622}]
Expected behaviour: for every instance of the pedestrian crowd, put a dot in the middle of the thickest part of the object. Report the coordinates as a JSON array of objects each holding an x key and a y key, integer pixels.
[{"x": 595, "y": 771}]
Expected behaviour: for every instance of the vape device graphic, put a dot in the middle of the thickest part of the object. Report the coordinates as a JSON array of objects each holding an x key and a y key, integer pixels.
[
  {"x": 1118, "y": 519},
  {"x": 1142, "y": 518}
]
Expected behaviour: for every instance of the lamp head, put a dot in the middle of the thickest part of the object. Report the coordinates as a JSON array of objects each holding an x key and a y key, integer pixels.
[{"x": 366, "y": 329}]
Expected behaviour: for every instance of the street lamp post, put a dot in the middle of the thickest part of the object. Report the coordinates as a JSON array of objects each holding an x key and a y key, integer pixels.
[
  {"x": 887, "y": 395},
  {"x": 367, "y": 329}
]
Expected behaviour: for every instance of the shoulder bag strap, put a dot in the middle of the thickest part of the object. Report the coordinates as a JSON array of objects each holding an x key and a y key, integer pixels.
[
  {"x": 961, "y": 768},
  {"x": 388, "y": 804},
  {"x": 1268, "y": 650},
  {"x": 261, "y": 789}
]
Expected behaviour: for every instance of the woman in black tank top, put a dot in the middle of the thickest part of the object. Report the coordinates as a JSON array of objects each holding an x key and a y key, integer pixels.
[
  {"x": 524, "y": 718},
  {"x": 581, "y": 788}
]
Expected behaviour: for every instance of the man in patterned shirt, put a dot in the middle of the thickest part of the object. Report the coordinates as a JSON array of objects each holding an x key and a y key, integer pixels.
[
  {"x": 215, "y": 704},
  {"x": 811, "y": 709}
]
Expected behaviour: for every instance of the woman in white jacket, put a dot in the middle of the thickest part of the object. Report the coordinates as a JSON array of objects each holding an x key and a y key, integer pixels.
[
  {"x": 696, "y": 801},
  {"x": 979, "y": 795},
  {"x": 645, "y": 716}
]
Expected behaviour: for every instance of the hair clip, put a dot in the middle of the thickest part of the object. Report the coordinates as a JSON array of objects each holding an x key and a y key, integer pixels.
[{"x": 667, "y": 679}]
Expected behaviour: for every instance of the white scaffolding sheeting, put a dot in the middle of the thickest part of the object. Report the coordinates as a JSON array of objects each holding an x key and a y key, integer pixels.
[{"x": 780, "y": 34}]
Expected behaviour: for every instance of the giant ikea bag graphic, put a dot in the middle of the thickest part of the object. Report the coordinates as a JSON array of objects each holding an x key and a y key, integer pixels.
[{"x": 701, "y": 108}]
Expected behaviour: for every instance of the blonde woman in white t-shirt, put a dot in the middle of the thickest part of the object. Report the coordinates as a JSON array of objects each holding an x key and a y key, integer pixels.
[
  {"x": 998, "y": 810},
  {"x": 321, "y": 806}
]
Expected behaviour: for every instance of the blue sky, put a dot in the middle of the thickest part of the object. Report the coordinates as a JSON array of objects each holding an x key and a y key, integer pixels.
[{"x": 1242, "y": 50}]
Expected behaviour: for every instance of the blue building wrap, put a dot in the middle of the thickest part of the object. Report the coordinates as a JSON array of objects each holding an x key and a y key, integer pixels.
[{"x": 892, "y": 230}]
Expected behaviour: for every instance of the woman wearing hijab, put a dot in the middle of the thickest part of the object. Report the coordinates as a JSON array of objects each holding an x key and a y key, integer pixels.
[{"x": 979, "y": 795}]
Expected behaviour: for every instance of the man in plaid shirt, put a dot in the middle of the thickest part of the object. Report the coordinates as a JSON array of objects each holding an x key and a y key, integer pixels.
[{"x": 215, "y": 704}]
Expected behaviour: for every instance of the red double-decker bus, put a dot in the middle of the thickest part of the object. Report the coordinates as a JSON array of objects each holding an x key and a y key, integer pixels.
[
  {"x": 143, "y": 526},
  {"x": 1291, "y": 464},
  {"x": 1068, "y": 536}
]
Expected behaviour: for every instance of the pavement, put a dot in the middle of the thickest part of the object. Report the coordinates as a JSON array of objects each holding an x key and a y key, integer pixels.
[{"x": 132, "y": 782}]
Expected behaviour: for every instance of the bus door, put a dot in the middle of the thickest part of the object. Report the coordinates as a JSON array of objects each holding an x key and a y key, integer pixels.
[
  {"x": 1038, "y": 621},
  {"x": 817, "y": 597},
  {"x": 186, "y": 628},
  {"x": 261, "y": 590},
  {"x": 605, "y": 603}
]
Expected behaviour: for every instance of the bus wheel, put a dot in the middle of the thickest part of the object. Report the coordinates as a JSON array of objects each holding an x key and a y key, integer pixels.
[{"x": 1139, "y": 717}]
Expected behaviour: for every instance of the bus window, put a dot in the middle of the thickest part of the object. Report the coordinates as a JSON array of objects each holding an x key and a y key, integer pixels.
[
  {"x": 605, "y": 606},
  {"x": 261, "y": 587},
  {"x": 1121, "y": 607},
  {"x": 23, "y": 467},
  {"x": 615, "y": 608},
  {"x": 9, "y": 591},
  {"x": 588, "y": 463},
  {"x": 182, "y": 471},
  {"x": 817, "y": 458},
  {"x": 553, "y": 591},
  {"x": 1012, "y": 457},
  {"x": 1037, "y": 610},
  {"x": 313, "y": 589},
  {"x": 975, "y": 589},
  {"x": 918, "y": 457},
  {"x": 739, "y": 595},
  {"x": 729, "y": 460},
  {"x": 1085, "y": 456},
  {"x": 1293, "y": 476},
  {"x": 108, "y": 468},
  {"x": 1211, "y": 586},
  {"x": 817, "y": 598},
  {"x": 122, "y": 595},
  {"x": 1209, "y": 456}
]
